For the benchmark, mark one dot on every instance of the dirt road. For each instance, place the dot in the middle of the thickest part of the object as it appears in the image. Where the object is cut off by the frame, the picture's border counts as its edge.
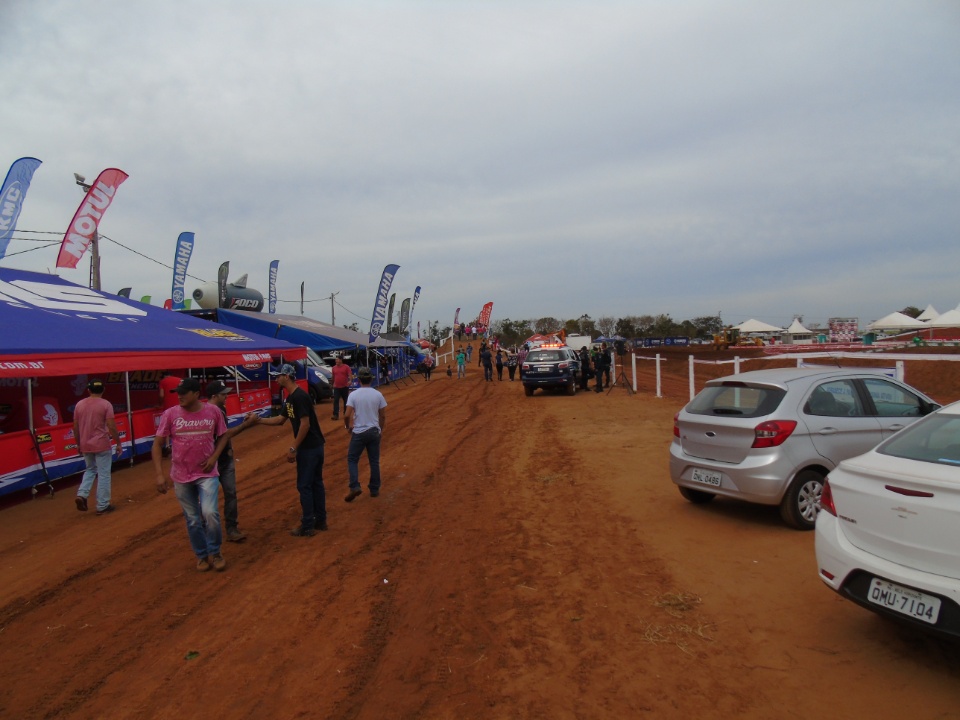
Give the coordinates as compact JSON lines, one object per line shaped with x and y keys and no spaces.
{"x":527,"y":558}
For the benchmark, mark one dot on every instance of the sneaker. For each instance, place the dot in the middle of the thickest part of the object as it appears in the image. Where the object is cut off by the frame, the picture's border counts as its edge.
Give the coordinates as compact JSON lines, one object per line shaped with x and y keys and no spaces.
{"x":219,"y":564}
{"x":81,"y":503}
{"x":203,"y":564}
{"x":299,"y":531}
{"x":234,"y":535}
{"x":374,"y":493}
{"x":107,"y":509}
{"x":353,"y":495}
{"x":322,"y":526}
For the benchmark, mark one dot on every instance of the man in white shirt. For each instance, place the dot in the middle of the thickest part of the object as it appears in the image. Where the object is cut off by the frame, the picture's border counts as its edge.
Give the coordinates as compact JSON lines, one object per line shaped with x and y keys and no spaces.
{"x":365,"y":418}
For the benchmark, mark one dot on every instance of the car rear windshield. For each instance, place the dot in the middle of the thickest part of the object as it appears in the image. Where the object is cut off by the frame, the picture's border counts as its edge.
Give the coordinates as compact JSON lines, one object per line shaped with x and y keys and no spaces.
{"x":736,"y":399}
{"x":543,"y":356}
{"x":935,"y":439}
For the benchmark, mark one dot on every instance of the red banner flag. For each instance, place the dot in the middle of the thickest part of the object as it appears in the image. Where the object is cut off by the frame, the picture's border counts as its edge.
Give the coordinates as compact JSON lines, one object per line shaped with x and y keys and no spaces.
{"x":485,"y":315}
{"x":87,"y":218}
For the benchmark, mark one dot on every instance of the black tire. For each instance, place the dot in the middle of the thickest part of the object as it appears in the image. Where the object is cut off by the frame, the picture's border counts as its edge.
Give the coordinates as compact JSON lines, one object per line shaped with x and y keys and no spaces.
{"x":527,"y":390}
{"x":697,"y":497}
{"x":801,"y":502}
{"x":572,"y":389}
{"x":314,"y":394}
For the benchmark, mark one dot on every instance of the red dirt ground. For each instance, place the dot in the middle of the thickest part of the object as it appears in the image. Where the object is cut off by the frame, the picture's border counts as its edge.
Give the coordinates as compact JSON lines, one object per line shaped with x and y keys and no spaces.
{"x":527,"y":558}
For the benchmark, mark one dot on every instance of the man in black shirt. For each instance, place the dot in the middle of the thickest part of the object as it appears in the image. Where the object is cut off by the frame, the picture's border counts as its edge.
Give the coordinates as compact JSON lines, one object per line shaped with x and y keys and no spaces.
{"x":306,"y":451}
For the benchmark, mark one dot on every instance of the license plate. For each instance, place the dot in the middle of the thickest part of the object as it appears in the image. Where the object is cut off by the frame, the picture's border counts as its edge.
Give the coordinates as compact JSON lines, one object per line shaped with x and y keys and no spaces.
{"x":905,"y":601}
{"x":543,"y":368}
{"x":706,"y":477}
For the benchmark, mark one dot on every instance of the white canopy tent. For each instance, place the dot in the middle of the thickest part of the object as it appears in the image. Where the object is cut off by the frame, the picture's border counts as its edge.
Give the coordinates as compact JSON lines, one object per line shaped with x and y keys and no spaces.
{"x":797,"y":328}
{"x":929,"y":314}
{"x":896,"y":321}
{"x":755,"y":326}
{"x":949,"y":319}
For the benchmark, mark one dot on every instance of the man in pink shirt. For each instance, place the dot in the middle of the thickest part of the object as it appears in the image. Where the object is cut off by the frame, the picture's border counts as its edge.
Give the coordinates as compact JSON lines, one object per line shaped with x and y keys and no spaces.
{"x":342,"y":376}
{"x":93,"y":427}
{"x":198,"y":435}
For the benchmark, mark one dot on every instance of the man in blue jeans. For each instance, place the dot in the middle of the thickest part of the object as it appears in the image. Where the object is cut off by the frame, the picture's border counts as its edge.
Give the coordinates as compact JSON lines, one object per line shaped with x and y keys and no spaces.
{"x":93,"y":427}
{"x":365,"y":418}
{"x":306,"y":452}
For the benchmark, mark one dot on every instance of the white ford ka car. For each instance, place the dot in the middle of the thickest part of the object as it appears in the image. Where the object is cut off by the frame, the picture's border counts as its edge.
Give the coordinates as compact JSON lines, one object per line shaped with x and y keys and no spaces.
{"x":888,"y":534}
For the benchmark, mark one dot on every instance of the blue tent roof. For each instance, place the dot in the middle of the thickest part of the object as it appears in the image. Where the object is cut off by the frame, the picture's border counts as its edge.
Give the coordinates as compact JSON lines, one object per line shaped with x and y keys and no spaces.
{"x":51,"y":326}
{"x":314,"y":334}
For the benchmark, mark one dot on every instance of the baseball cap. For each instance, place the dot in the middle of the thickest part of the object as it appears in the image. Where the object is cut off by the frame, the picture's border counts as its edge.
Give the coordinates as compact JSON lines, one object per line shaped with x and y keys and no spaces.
{"x":285,"y":369}
{"x":188,"y":385}
{"x":217,"y":387}
{"x":95,"y":386}
{"x":364,"y":373}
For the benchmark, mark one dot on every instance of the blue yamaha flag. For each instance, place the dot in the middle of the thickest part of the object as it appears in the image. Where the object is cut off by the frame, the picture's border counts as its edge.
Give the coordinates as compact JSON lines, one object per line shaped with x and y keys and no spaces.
{"x":380,"y":306}
{"x":180,"y":262}
{"x":272,"y":290}
{"x":12,"y":193}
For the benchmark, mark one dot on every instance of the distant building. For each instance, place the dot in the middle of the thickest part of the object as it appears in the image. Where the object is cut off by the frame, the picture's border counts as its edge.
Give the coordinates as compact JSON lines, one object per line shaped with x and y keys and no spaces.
{"x":843,"y":330}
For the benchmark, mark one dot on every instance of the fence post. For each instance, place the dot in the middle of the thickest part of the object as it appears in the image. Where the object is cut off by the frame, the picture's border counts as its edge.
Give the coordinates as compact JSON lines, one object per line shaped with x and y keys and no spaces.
{"x":692,"y":393}
{"x":658,"y":376}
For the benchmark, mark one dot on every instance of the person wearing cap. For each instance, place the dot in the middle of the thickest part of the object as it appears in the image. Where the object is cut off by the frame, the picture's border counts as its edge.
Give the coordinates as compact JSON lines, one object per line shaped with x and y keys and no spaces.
{"x":93,"y":428}
{"x":199,"y":434}
{"x":217,"y":392}
{"x":365,"y":419}
{"x":306,"y":451}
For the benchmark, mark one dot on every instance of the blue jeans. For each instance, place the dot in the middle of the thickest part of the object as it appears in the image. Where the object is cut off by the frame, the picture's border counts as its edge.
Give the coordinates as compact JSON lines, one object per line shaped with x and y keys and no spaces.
{"x":461,"y":371}
{"x":98,"y":466}
{"x":199,"y":502}
{"x":228,"y":481}
{"x":313,"y":501}
{"x":369,"y":440}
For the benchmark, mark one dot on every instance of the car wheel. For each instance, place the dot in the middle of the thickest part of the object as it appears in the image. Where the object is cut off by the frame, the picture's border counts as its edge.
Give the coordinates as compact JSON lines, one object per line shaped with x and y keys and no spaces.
{"x":697,"y":497}
{"x":801,"y":503}
{"x":572,"y":389}
{"x":528,"y":391}
{"x":314,"y":394}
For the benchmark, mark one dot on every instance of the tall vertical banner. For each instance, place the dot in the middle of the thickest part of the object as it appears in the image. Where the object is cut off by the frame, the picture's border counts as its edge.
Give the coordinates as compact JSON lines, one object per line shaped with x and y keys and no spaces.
{"x":86,"y":220}
{"x":380,"y":304}
{"x":413,"y":304}
{"x":301,"y":296}
{"x":125,"y":292}
{"x":180,"y":261}
{"x":222,"y":274}
{"x":456,"y":318}
{"x":12,"y":195}
{"x":485,"y":316}
{"x":390,"y":312}
{"x":405,"y":318}
{"x":272,"y":287}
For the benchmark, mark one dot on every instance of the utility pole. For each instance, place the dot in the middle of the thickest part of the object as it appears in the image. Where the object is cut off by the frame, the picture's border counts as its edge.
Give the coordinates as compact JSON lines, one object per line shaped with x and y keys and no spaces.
{"x":333,"y":320}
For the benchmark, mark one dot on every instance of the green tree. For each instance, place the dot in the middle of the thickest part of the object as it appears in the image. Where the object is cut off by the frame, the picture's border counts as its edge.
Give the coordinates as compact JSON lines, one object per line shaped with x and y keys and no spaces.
{"x":547,"y":325}
{"x":707,"y":325}
{"x":912,"y":311}
{"x":626,"y":327}
{"x":663,"y":325}
{"x":606,"y":325}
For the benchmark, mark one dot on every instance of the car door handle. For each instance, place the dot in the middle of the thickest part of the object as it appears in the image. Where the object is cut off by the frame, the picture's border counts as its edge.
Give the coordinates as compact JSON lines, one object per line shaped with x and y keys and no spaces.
{"x":827,"y":431}
{"x":898,"y":426}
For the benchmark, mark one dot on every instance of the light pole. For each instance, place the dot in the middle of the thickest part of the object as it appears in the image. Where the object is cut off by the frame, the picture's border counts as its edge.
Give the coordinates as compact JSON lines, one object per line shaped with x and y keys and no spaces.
{"x":95,"y":241}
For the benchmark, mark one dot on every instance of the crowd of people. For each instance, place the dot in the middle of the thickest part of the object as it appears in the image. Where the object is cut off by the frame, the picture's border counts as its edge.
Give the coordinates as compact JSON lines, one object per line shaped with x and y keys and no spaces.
{"x":195,"y":437}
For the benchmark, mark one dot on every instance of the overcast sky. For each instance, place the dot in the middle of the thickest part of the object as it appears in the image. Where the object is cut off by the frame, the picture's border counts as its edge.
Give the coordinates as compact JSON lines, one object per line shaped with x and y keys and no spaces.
{"x":758,"y":158}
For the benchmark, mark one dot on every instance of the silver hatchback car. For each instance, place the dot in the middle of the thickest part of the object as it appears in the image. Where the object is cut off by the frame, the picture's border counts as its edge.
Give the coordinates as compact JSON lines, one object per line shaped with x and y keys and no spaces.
{"x":771,"y":436}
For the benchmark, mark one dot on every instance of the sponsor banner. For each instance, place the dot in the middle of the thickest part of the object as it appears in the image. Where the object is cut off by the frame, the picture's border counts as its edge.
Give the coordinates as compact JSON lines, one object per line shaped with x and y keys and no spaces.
{"x":380,"y":303}
{"x":222,"y":274}
{"x":413,"y":304}
{"x":301,"y":298}
{"x":180,"y":261}
{"x":390,"y":312}
{"x":485,"y":315}
{"x":124,"y":292}
{"x":456,"y":318}
{"x":404,"y":316}
{"x":12,"y":194}
{"x":272,"y":286}
{"x":86,"y":221}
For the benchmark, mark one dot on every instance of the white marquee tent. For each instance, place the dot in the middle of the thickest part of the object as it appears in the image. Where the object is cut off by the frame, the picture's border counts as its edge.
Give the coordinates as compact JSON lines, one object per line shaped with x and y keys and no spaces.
{"x":929,"y":314}
{"x":896,"y":321}
{"x":755,"y":326}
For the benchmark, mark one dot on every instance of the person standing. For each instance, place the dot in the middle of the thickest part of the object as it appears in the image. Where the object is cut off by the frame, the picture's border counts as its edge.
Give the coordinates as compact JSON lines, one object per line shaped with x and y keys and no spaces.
{"x":512,"y":362}
{"x":427,"y":366}
{"x":365,"y":419}
{"x":217,"y":392}
{"x":469,"y":352}
{"x":306,"y":451}
{"x":198,"y":435}
{"x":486,"y":359}
{"x":601,"y":366}
{"x":521,"y":356}
{"x":93,"y":428}
{"x":342,"y":375}
{"x":461,"y":364}
{"x":167,"y":387}
{"x":584,"y":368}
{"x":499,"y":364}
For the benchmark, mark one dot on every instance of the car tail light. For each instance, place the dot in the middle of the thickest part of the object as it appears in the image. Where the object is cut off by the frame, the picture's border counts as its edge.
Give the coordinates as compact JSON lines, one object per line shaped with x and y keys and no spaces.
{"x":676,"y":425}
{"x":772,"y":433}
{"x":826,"y":500}
{"x":563,"y":366}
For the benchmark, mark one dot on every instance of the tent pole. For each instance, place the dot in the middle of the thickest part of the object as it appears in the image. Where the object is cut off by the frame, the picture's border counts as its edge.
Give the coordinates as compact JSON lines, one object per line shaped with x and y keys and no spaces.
{"x":133,"y":437}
